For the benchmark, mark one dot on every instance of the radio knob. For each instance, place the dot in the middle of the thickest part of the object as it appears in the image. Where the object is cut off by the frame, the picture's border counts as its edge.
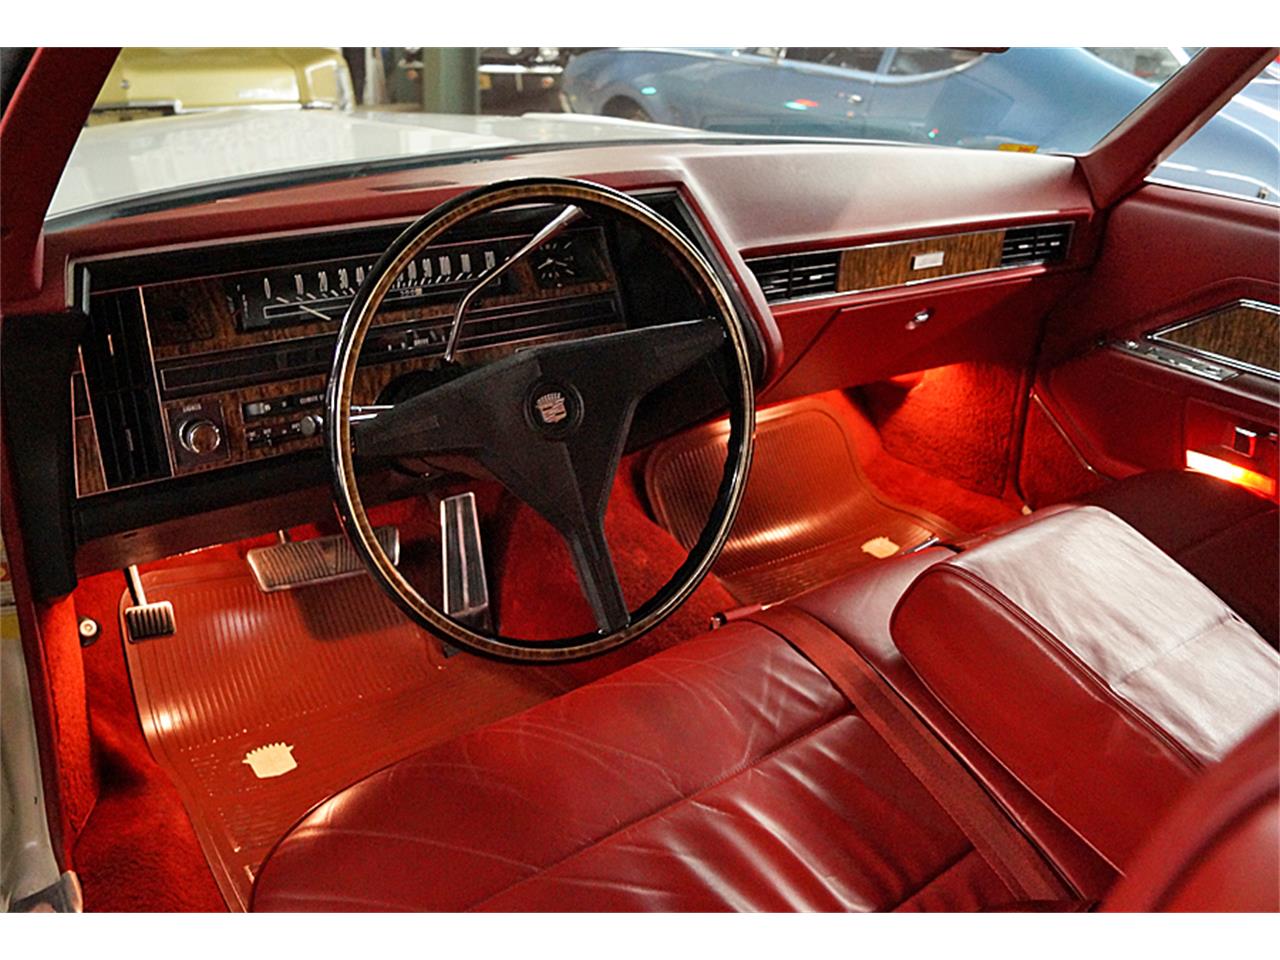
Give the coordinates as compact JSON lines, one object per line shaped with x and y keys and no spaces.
{"x":200,"y":436}
{"x":311,"y":424}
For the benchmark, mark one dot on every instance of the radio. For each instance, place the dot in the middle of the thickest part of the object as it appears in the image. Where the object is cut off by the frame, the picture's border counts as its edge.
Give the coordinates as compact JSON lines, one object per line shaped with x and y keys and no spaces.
{"x":297,"y":424}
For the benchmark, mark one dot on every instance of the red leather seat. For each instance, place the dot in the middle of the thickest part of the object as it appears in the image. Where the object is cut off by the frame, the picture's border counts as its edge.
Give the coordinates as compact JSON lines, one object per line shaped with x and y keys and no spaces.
{"x":724,"y":774}
{"x":1219,"y":849}
{"x":1101,"y":674}
{"x":1084,"y":676}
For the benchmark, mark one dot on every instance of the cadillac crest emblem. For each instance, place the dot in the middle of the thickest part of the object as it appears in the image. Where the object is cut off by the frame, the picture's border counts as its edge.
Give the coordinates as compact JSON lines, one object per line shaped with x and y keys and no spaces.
{"x":551,"y":407}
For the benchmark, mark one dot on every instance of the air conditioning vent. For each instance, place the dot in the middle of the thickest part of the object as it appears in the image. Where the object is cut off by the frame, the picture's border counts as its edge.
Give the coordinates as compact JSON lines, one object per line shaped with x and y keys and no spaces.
{"x":1041,"y":243}
{"x":793,"y":276}
{"x":122,"y":391}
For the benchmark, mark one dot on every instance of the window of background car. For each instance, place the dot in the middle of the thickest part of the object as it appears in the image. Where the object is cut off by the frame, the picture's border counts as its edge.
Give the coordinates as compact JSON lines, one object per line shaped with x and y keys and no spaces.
{"x":910,"y":61}
{"x":1149,"y":63}
{"x":866,"y":59}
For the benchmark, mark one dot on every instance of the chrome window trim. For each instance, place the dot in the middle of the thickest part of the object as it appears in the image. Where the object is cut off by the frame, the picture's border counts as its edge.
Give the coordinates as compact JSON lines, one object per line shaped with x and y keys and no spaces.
{"x":1271,"y":202}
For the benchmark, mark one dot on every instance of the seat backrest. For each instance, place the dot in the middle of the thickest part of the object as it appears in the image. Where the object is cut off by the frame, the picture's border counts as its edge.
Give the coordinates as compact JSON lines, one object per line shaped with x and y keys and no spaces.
{"x":1219,"y":849}
{"x":1098,"y":671}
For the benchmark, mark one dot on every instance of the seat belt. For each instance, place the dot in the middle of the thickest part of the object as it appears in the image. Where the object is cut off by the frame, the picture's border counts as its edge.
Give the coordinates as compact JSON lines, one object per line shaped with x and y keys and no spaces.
{"x":1008,"y":853}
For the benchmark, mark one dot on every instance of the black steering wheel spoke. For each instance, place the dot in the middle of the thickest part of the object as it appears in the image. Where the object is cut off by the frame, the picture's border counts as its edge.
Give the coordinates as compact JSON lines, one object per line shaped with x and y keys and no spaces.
{"x":593,"y":562}
{"x":551,"y":424}
{"x":460,"y":416}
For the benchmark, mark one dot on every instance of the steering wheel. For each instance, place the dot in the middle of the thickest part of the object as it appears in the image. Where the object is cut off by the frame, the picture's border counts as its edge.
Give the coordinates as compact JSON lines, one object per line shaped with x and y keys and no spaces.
{"x":550,"y":422}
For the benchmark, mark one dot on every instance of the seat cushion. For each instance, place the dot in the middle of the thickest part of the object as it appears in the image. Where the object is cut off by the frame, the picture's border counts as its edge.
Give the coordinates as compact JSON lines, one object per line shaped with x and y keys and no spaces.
{"x":1099,"y":672}
{"x":725,"y":774}
{"x":859,"y":608}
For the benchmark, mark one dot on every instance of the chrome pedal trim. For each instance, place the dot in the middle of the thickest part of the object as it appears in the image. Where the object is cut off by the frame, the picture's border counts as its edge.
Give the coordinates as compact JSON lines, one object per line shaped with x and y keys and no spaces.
{"x":466,"y":587}
{"x":144,"y":620}
{"x":150,"y":620}
{"x":300,"y":563}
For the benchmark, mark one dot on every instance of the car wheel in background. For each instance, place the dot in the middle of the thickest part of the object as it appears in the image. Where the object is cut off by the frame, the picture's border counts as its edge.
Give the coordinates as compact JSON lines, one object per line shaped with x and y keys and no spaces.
{"x":626,"y":109}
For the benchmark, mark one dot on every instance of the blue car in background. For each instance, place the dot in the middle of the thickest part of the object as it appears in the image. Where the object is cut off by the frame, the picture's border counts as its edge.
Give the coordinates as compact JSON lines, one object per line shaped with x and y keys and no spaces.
{"x":1051,"y":99}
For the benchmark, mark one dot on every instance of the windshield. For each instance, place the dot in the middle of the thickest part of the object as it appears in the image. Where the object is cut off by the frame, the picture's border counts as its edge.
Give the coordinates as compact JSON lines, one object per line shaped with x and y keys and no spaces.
{"x":179,"y":124}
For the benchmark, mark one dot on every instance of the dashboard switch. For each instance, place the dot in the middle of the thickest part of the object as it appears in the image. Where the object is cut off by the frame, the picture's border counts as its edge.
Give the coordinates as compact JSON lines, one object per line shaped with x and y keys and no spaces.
{"x":259,"y":408}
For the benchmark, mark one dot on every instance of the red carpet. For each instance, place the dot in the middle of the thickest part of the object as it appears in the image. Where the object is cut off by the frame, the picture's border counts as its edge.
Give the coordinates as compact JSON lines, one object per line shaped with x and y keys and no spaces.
{"x":137,"y":851}
{"x":913,"y":486}
{"x":959,"y":422}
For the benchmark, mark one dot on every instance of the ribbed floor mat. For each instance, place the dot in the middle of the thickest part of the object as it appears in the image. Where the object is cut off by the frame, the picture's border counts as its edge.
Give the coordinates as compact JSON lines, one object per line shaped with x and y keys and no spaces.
{"x":809,"y":514}
{"x":332,"y":672}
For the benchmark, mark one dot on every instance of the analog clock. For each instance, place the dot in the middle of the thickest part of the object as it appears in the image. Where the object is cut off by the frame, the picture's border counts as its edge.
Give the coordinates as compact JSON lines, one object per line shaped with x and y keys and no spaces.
{"x":556,"y":263}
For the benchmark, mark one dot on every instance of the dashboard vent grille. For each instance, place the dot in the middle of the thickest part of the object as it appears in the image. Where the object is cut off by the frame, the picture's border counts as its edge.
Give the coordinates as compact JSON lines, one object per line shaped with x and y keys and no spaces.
{"x":1041,"y":243}
{"x":122,"y":391}
{"x":793,"y":276}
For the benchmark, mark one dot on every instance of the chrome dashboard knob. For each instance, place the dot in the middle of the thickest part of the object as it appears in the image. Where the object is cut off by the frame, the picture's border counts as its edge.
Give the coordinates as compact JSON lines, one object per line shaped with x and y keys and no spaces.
{"x":200,"y":436}
{"x":311,"y":424}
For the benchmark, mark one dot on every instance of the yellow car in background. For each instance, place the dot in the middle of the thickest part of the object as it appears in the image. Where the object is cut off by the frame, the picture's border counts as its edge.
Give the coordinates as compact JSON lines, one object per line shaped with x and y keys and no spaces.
{"x":162,"y":81}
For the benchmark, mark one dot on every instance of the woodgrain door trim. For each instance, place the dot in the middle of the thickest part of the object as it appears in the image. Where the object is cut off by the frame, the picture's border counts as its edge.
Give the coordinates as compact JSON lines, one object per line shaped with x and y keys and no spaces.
{"x":1165,"y":334}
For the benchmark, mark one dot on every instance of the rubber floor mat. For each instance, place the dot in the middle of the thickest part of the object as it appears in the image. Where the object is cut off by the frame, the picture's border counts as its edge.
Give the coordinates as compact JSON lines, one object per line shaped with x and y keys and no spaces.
{"x":262,"y":705}
{"x":809,"y":515}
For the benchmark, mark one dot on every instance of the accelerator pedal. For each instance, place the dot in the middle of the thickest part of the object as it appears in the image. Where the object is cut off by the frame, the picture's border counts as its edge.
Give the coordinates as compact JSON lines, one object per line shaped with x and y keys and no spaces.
{"x":300,"y":563}
{"x":466,"y":588}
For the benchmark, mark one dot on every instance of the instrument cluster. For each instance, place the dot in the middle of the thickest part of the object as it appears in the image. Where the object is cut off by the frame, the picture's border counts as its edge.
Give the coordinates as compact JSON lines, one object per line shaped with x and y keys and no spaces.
{"x":217,"y":369}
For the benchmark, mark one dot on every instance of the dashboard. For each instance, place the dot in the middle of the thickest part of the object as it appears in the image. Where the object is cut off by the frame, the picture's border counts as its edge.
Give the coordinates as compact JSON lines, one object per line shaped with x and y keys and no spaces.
{"x":198,"y":382}
{"x":221,"y":369}
{"x":195,"y":354}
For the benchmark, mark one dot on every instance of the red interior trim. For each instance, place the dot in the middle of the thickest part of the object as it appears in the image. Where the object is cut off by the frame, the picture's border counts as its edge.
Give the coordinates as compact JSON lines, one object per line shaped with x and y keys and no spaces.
{"x":37,"y":134}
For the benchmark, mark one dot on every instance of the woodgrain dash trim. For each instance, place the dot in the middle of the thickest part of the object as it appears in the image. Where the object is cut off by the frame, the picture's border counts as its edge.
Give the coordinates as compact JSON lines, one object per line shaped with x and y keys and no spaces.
{"x":189,"y":319}
{"x":883,"y":266}
{"x":892,"y":264}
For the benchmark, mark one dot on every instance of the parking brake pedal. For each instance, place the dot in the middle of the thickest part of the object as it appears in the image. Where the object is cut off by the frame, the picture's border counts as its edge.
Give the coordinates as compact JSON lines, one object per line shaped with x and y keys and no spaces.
{"x":466,"y":589}
{"x":143,"y":620}
{"x":299,"y":563}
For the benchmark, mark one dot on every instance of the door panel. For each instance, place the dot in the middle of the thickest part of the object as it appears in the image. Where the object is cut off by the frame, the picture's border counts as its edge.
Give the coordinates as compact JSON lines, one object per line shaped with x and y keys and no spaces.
{"x":1169,"y":353}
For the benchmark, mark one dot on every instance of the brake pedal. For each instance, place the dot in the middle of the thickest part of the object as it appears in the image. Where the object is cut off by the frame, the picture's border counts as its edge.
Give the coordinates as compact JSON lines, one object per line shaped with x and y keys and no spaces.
{"x":466,"y":588}
{"x":143,"y":620}
{"x":300,"y":563}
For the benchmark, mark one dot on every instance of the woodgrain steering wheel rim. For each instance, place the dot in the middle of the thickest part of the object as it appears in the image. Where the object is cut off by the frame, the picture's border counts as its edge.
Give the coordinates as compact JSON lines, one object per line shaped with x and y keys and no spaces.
{"x":339,"y":434}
